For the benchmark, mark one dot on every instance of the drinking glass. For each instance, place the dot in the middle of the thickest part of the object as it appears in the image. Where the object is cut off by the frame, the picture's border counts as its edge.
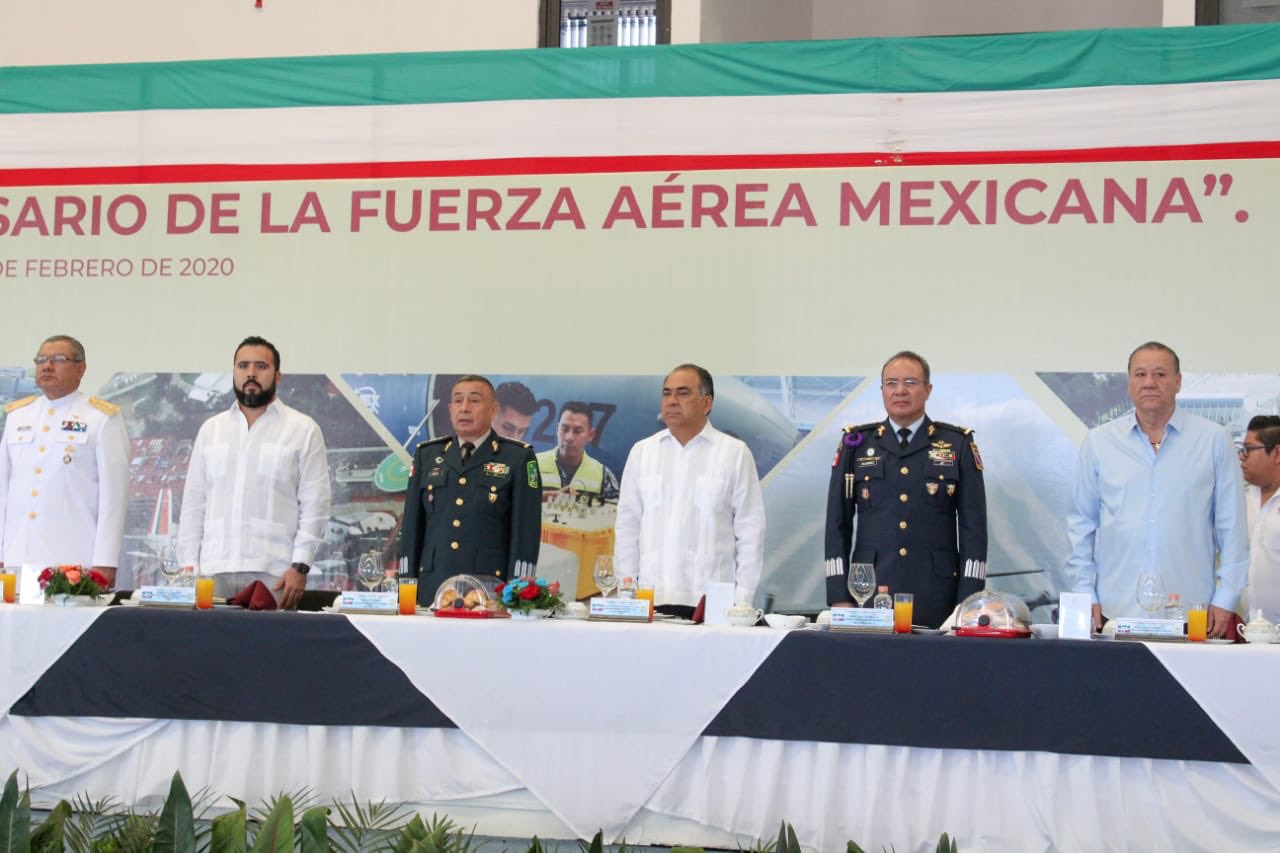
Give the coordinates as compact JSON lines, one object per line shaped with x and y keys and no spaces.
{"x":861,"y":581}
{"x":1151,"y":596}
{"x":408,"y":596}
{"x":605,"y":578}
{"x":172,"y":570}
{"x":1197,"y":622}
{"x":645,"y":591}
{"x":369,"y":571}
{"x":903,"y":605}
{"x":204,"y":592}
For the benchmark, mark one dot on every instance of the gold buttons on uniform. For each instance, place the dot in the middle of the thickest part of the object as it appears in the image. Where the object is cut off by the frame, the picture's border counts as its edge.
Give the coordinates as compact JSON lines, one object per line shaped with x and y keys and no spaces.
{"x":458,"y":501}
{"x":38,"y":469}
{"x":902,"y":498}
{"x":453,"y":545}
{"x":462,"y":481}
{"x":44,"y":428}
{"x":902,"y":525}
{"x":902,"y":552}
{"x":40,"y":448}
{"x":457,"y":523}
{"x":904,"y":470}
{"x":31,"y":515}
{"x":51,"y":411}
{"x":35,"y":493}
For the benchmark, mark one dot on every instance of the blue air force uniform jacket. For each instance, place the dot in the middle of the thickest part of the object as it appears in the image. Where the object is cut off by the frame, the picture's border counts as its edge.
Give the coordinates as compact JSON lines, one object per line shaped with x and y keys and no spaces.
{"x":921,"y":515}
{"x":481,"y":517}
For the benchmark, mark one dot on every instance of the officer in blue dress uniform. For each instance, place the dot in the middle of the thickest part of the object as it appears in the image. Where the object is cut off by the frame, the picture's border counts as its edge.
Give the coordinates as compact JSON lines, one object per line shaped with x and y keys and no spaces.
{"x":915,"y":488}
{"x":474,"y":504}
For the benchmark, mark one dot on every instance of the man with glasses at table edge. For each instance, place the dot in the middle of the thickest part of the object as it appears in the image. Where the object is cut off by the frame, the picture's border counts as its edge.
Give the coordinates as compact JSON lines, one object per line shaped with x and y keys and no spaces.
{"x":64,"y":470}
{"x":915,"y":487}
{"x":1157,"y":491}
{"x":1260,"y":464}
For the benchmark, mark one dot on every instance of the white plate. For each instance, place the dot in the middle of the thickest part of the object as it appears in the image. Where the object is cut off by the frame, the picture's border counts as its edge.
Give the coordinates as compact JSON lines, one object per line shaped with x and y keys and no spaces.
{"x":818,"y":626}
{"x":920,"y":629}
{"x":672,"y":620}
{"x":1219,"y":641}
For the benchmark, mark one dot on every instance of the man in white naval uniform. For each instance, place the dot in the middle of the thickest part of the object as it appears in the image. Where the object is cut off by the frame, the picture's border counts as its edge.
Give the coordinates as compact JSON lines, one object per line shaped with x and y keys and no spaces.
{"x":64,"y":470}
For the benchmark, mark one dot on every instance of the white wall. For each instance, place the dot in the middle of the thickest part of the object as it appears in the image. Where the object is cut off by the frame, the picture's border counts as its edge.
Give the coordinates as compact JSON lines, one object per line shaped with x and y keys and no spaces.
{"x":56,"y":32}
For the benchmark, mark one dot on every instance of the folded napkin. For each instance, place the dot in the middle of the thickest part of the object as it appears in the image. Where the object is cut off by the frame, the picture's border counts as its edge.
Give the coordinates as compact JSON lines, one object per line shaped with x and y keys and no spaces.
{"x":255,"y":596}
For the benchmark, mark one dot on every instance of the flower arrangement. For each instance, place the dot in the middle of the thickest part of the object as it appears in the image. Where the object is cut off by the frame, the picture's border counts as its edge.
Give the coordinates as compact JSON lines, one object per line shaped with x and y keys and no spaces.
{"x":525,"y":594}
{"x":72,"y":580}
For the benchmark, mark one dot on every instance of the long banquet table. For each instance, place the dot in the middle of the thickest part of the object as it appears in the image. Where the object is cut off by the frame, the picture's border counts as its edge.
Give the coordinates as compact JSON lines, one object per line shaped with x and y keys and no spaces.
{"x":655,"y":733}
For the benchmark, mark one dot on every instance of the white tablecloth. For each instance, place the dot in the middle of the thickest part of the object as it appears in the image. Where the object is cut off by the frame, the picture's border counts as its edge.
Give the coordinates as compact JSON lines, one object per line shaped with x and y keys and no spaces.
{"x":602,"y":748}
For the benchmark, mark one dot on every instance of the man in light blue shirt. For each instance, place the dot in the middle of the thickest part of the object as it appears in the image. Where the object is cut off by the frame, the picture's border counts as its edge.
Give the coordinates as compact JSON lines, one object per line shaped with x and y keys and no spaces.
{"x":1158,"y":491}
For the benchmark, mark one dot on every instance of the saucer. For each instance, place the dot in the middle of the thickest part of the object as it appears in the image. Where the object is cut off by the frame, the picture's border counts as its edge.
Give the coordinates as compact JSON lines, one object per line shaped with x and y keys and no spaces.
{"x":1221,"y":641}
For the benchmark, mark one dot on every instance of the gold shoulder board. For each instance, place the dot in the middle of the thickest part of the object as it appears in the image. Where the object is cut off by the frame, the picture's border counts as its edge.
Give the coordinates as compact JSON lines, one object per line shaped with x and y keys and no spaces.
{"x":18,"y":404}
{"x":108,"y":409}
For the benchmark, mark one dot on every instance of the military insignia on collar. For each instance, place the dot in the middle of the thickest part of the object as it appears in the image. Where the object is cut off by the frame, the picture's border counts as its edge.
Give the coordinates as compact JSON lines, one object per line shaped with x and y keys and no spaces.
{"x":494,"y":445}
{"x":497,"y":469}
{"x":931,"y":429}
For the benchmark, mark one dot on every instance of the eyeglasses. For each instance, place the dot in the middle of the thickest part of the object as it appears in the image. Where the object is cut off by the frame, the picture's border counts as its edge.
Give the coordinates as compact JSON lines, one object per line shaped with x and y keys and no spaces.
{"x":56,"y":359}
{"x":892,"y":384}
{"x":1246,"y":449}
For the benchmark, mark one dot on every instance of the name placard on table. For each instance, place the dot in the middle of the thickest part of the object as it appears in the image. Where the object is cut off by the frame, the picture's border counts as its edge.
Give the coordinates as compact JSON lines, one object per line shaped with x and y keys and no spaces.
{"x":876,"y":620}
{"x":167,"y":596}
{"x":620,"y":609}
{"x":1167,"y":630}
{"x":383,"y":603}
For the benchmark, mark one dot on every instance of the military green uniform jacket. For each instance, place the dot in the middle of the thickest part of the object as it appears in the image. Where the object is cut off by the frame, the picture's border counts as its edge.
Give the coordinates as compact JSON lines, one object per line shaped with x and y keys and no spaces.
{"x":921,"y":515}
{"x":482,"y":517}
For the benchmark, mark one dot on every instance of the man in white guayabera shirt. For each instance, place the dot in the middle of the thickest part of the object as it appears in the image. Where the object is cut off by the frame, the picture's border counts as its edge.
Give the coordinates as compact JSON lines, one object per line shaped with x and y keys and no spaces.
{"x":690,"y":510}
{"x":257,"y":495}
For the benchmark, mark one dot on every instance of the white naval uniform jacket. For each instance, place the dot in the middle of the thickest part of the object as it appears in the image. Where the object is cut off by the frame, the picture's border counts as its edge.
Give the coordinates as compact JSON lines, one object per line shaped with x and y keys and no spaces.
{"x":64,"y":482}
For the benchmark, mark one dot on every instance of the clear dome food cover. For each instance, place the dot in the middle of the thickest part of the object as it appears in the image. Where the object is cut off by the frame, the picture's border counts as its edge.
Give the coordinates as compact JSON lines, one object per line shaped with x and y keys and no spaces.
{"x":466,"y":595}
{"x":993,"y":614}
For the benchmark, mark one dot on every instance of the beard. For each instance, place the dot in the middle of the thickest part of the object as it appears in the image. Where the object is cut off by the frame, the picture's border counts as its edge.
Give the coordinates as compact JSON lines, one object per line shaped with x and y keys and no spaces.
{"x":255,"y":399}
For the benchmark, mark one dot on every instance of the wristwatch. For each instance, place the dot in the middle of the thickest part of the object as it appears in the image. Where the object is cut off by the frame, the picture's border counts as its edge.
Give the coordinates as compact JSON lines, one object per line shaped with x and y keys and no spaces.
{"x":300,"y":568}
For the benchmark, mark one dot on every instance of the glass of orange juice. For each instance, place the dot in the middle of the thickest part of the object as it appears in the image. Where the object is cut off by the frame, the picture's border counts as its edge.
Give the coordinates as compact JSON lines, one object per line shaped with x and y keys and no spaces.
{"x":903,"y":603}
{"x":1197,"y":622}
{"x":10,"y":582}
{"x":645,"y":591}
{"x":408,"y":596}
{"x":204,"y":592}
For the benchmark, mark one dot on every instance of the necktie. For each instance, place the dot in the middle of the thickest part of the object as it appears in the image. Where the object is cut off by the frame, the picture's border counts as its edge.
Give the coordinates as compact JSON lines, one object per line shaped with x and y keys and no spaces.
{"x":904,"y":435}
{"x":467,"y":449}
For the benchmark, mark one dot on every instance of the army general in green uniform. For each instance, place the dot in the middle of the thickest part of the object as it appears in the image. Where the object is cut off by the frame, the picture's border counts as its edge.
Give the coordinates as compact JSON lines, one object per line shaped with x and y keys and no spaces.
{"x":915,"y":487}
{"x":474,"y":504}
